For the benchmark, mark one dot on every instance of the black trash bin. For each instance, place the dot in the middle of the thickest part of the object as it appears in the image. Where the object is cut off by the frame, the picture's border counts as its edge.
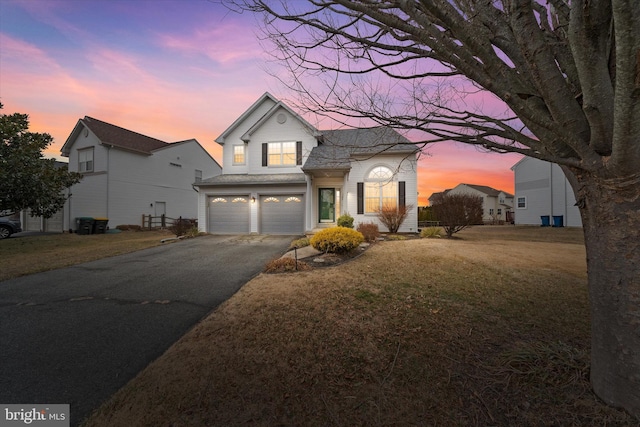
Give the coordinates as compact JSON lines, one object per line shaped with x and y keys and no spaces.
{"x":100,"y":225}
{"x":84,"y":225}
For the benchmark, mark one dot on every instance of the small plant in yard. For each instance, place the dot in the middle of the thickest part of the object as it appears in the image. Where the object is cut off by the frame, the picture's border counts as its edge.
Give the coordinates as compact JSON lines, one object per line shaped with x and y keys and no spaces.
{"x":431,"y":232}
{"x":181,"y":226}
{"x":192,"y":232}
{"x":396,"y":237}
{"x":345,"y":220}
{"x":369,"y":230}
{"x":392,"y":217}
{"x":336,"y":240}
{"x":284,"y":265}
{"x":299,"y":243}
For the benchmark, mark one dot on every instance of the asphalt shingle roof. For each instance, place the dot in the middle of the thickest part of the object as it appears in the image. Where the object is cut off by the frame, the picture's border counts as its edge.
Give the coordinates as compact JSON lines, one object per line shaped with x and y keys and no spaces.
{"x":337,"y":146}
{"x":119,"y":137}
{"x":252,"y":179}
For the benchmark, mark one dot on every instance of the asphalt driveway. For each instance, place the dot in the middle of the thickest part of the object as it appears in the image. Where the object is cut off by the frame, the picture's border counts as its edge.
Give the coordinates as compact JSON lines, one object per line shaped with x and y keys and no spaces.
{"x":76,"y":335}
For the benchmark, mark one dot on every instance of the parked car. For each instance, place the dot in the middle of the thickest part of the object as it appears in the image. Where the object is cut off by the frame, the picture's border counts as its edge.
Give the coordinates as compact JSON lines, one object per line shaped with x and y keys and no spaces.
{"x":9,"y":224}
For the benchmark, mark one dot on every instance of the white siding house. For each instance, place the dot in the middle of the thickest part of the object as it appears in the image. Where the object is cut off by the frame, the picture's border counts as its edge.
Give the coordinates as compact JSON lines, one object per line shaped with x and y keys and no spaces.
{"x":543,"y":195}
{"x":497,"y":205}
{"x":283,"y":176}
{"x":127,"y":175}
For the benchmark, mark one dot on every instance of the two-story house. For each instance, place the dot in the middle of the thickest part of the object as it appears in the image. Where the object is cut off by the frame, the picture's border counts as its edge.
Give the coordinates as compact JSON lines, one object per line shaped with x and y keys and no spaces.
{"x":497,"y":205}
{"x":283,"y":176}
{"x":127,"y":174}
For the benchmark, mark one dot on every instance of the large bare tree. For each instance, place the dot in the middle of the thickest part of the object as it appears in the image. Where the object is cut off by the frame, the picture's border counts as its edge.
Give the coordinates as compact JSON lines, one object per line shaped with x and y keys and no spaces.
{"x":567,"y":73}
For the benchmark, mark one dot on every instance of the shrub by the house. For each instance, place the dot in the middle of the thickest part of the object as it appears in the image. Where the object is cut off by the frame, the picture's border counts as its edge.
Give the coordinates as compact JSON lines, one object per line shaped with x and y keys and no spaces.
{"x":392,"y":217}
{"x":345,"y":220}
{"x":336,"y":240}
{"x":369,"y":230}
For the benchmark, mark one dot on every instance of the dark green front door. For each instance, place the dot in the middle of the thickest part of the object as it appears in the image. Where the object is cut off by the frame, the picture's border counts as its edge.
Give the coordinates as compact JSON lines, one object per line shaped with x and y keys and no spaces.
{"x":327,"y":204}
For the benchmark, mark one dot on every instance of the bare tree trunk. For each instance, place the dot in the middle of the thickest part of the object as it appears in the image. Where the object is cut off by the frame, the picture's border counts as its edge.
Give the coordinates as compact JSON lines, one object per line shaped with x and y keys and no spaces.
{"x":611,"y":219}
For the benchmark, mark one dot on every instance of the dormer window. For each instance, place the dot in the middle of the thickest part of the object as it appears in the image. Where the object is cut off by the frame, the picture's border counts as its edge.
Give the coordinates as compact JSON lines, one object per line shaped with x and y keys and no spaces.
{"x":239,"y":154}
{"x":85,"y":160}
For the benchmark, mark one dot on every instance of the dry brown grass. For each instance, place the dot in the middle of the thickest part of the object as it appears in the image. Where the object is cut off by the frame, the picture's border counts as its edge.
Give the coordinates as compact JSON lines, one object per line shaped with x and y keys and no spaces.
{"x":484,"y":330}
{"x":32,"y":254}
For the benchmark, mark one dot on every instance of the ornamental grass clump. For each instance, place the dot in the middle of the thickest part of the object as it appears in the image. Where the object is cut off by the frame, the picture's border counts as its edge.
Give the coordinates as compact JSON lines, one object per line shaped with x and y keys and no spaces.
{"x":336,"y":240}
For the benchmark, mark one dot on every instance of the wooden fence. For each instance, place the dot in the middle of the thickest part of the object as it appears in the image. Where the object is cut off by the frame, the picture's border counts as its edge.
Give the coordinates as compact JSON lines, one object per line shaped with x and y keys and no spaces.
{"x":151,"y":222}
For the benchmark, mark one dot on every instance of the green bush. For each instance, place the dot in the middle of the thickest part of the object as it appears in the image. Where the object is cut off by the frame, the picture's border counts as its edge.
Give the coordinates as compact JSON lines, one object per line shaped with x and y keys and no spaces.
{"x":336,"y":240}
{"x":345,"y":220}
{"x":431,"y":232}
{"x":369,"y":230}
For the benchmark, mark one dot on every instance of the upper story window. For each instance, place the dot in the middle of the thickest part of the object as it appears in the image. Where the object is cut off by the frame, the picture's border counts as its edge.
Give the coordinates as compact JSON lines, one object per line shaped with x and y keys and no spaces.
{"x":282,"y":153}
{"x":85,"y":160}
{"x":239,"y":154}
{"x":380,"y":190}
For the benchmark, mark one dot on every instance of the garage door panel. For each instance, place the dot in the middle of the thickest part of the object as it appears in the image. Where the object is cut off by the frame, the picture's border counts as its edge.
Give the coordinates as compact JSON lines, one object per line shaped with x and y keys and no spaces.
{"x":282,"y":214}
{"x":229,"y":214}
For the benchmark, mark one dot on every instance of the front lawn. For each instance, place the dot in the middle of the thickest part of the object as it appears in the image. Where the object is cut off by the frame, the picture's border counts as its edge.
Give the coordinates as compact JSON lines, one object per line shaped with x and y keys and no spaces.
{"x":477,"y":331}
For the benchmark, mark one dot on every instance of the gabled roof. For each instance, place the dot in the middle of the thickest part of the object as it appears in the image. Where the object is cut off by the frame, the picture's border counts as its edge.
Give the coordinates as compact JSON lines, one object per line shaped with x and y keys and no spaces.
{"x":489,"y":191}
{"x":243,"y":117}
{"x":247,"y":135}
{"x":336,"y":147}
{"x":115,"y":136}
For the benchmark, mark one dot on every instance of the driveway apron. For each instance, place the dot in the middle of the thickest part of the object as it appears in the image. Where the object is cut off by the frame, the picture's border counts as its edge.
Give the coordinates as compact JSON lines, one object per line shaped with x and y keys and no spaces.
{"x":78,"y":334}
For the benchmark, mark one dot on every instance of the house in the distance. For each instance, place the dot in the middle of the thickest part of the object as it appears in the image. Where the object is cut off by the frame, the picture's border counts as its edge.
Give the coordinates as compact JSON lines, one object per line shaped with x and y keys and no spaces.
{"x":543,"y":195}
{"x":497,"y":205}
{"x":127,"y":175}
{"x":283,"y":176}
{"x":54,"y":224}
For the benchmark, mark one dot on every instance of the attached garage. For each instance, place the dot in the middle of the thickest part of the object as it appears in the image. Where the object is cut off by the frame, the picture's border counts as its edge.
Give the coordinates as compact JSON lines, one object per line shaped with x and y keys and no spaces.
{"x":229,"y":214}
{"x":282,"y":214}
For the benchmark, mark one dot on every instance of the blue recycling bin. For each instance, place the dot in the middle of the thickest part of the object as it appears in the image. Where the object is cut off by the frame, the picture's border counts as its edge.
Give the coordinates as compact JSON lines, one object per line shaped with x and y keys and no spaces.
{"x":545,"y":220}
{"x":558,"y":221}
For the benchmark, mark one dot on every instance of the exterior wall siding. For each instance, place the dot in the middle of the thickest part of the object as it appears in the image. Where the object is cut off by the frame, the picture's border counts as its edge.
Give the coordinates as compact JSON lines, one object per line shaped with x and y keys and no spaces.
{"x":126,"y":185}
{"x":547,"y":193}
{"x":406,"y":171}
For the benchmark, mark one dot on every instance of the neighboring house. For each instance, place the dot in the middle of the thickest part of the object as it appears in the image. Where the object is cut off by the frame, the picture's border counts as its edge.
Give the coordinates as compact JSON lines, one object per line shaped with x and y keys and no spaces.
{"x":283,"y":176}
{"x":543,"y":195}
{"x":497,"y":205}
{"x":127,"y":175}
{"x":53,"y":224}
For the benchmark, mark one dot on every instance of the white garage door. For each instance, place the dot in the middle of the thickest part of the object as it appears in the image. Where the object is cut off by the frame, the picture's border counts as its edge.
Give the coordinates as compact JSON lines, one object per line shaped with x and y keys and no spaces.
{"x":282,"y":214}
{"x":229,"y":214}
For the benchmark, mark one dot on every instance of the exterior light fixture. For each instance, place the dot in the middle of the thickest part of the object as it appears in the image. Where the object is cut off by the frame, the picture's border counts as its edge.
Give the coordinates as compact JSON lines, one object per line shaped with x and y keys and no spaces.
{"x":253,"y":200}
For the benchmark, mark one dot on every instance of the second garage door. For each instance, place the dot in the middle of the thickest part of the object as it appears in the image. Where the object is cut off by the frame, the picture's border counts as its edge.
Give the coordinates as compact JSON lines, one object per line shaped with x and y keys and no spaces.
{"x":229,"y":214}
{"x":282,"y":214}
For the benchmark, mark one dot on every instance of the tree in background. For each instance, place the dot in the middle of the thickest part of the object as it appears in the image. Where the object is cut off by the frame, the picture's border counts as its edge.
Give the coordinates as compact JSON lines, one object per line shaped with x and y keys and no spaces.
{"x":455,"y":212}
{"x":562,"y":79}
{"x":27,"y":179}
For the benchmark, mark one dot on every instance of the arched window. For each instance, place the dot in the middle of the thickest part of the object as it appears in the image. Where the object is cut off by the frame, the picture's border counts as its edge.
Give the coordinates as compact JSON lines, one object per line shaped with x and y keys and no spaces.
{"x":380,"y":190}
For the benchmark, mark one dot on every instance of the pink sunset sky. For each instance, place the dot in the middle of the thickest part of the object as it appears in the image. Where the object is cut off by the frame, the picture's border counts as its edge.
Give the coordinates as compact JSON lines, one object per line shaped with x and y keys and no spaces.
{"x":172,"y":70}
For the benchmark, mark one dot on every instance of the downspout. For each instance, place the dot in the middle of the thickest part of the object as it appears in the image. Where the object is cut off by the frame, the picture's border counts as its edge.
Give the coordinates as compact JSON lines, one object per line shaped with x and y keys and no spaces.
{"x":551,"y":193}
{"x":108,"y":172}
